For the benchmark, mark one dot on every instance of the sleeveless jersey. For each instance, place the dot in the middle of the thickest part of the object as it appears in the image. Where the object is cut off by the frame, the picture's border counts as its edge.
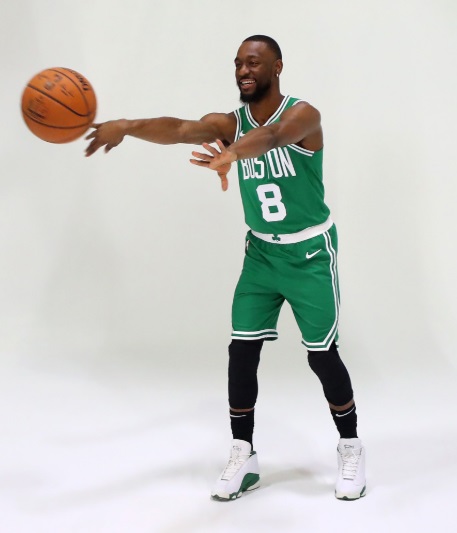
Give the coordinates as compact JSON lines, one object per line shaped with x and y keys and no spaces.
{"x":282,"y":191}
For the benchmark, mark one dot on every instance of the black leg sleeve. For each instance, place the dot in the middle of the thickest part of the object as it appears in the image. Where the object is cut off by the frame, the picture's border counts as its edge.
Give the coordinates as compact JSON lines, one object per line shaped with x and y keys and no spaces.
{"x":243,"y":388}
{"x":333,"y":375}
{"x":242,"y":373}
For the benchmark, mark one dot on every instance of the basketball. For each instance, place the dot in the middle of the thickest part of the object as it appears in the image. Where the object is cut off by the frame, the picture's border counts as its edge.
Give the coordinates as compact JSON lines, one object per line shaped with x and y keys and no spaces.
{"x":58,"y":105}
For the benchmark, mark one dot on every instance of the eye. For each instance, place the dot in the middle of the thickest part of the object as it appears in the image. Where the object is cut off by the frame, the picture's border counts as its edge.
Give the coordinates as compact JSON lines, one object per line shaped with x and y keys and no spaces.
{"x":253,"y":63}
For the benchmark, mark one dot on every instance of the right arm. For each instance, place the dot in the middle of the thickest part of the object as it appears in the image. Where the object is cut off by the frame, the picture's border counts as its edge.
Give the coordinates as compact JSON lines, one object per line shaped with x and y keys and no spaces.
{"x":163,"y":130}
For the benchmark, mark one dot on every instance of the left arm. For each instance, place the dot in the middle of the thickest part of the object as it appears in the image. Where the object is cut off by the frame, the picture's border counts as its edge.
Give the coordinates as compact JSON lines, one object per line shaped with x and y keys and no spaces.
{"x":298,"y":124}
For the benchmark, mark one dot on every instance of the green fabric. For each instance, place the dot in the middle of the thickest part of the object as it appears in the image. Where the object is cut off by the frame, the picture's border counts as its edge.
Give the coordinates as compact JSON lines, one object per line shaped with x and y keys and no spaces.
{"x":273,"y":273}
{"x":282,"y":191}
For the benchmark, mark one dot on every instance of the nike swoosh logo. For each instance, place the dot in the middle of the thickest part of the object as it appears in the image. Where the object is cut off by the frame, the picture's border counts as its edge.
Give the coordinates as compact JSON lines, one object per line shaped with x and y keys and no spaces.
{"x":308,"y":255}
{"x":345,"y":414}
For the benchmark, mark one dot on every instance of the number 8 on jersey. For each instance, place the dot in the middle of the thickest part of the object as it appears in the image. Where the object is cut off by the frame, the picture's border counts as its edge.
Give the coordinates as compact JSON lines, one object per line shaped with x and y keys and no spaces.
{"x":273,"y":209}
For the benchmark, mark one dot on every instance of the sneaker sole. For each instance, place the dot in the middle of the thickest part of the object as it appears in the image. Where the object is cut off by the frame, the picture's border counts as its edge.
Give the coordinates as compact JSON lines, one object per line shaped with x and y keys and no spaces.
{"x":347,"y":499}
{"x":250,"y":482}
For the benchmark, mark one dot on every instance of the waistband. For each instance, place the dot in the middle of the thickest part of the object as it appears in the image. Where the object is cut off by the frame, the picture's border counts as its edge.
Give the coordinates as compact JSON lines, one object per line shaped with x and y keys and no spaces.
{"x":292,"y":238}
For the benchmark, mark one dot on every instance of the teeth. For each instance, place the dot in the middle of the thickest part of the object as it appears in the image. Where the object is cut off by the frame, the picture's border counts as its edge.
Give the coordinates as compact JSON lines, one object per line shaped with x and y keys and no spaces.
{"x":250,"y":82}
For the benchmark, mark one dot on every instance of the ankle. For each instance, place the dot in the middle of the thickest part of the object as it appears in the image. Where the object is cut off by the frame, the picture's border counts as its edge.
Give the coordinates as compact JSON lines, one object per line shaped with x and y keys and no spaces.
{"x":346,"y":422}
{"x":242,"y":425}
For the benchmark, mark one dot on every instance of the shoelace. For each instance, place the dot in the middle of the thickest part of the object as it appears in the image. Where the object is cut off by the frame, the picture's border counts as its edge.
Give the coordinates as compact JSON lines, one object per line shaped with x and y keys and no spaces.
{"x":350,"y":464}
{"x":234,"y":464}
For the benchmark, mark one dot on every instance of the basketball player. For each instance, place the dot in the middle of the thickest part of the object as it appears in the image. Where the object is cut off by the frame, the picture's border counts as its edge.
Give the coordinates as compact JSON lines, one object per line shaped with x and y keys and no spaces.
{"x":291,"y":248}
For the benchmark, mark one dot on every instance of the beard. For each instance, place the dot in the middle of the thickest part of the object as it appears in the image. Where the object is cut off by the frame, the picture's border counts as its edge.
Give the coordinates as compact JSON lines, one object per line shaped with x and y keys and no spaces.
{"x":260,"y":91}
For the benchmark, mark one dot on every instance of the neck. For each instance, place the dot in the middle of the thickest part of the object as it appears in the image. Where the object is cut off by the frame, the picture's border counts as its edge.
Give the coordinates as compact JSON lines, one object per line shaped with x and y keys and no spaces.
{"x":264,"y":109}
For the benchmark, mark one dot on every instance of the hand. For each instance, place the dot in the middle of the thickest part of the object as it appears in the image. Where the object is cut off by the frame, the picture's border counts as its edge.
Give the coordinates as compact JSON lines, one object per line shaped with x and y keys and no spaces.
{"x":109,"y":134}
{"x":220,"y":161}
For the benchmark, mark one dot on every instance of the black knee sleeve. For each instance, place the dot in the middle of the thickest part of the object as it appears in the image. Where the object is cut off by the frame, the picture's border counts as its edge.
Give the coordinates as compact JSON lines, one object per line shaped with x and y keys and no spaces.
{"x":243,"y":363}
{"x":333,"y":375}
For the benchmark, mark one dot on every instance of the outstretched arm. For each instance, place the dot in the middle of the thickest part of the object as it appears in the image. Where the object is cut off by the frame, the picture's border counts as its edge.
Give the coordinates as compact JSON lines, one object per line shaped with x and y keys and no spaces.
{"x":300,"y":124}
{"x":163,"y":130}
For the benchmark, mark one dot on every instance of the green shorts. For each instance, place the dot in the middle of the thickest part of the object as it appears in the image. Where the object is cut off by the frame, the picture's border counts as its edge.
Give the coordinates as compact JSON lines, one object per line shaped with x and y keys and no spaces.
{"x":305,"y":274}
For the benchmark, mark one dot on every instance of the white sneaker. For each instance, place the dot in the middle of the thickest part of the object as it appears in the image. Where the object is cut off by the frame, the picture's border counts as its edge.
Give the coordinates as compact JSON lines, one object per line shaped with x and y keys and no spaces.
{"x":240,"y":474}
{"x":351,"y":483}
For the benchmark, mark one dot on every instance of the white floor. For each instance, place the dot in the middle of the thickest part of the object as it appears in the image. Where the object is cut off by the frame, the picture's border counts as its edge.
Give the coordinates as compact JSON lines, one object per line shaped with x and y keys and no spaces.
{"x":122,"y":444}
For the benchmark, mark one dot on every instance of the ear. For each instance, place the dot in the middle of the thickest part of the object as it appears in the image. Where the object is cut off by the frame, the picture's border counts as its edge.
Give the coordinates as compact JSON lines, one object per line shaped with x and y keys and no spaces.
{"x":278,"y":67}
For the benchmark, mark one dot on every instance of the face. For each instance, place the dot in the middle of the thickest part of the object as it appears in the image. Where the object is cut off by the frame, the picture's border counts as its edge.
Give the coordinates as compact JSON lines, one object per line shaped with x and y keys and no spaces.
{"x":255,"y":70}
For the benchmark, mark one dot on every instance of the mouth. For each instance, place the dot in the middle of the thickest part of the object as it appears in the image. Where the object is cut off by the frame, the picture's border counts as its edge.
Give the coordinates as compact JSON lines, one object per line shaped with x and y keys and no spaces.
{"x":246,"y":83}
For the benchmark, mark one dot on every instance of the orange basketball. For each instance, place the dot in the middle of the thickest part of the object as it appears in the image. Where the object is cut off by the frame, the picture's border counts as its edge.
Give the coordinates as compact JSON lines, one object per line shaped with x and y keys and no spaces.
{"x":58,"y":105}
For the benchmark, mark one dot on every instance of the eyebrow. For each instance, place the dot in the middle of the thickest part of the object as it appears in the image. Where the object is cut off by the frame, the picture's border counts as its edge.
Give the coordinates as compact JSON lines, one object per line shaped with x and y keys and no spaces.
{"x":250,"y":56}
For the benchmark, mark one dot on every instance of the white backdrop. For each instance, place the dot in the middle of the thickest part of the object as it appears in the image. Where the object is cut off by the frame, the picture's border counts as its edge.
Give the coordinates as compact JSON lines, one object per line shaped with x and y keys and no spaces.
{"x":119,"y":266}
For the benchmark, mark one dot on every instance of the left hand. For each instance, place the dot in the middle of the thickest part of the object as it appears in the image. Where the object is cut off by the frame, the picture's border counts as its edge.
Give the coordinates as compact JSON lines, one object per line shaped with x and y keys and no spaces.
{"x":219,"y":160}
{"x":109,"y":134}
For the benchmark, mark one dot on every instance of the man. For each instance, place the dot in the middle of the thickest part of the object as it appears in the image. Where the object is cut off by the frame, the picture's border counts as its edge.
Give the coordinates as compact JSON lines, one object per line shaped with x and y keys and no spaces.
{"x":291,"y":248}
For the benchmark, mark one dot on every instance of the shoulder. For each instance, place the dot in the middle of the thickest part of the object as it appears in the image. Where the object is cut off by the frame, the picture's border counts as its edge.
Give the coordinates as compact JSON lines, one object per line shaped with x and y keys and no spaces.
{"x":224,"y":123}
{"x":304,"y":119}
{"x":301,"y":109}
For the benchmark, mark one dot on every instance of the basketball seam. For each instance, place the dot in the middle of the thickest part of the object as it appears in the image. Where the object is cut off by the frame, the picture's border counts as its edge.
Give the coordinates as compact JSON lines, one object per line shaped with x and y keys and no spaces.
{"x":73,"y":81}
{"x":86,"y":124}
{"x":57,"y":101}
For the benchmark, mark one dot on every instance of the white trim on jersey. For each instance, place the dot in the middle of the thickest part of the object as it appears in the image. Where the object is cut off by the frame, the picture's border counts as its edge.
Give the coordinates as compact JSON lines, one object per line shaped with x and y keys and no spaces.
{"x":250,"y":118}
{"x":254,"y":123}
{"x":278,"y":112}
{"x":301,"y":150}
{"x":238,"y":124}
{"x":273,"y":117}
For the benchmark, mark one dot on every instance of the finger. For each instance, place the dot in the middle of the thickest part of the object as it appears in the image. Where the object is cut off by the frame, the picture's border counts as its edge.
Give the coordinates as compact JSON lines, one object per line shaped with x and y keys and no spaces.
{"x":221,"y":145}
{"x":109,"y":147}
{"x":210,"y":149}
{"x":91,"y":135}
{"x":199,"y":163}
{"x":204,"y":157}
{"x":95,"y":126}
{"x":224,"y":181}
{"x":92,"y":148}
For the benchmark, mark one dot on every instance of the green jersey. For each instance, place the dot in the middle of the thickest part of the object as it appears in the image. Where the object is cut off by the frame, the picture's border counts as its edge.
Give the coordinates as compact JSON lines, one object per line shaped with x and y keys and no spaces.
{"x":282,"y":191}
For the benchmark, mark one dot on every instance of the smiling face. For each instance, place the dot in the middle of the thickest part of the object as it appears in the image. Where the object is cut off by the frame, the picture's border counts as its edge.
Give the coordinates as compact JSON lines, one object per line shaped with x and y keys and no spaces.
{"x":256,"y":69}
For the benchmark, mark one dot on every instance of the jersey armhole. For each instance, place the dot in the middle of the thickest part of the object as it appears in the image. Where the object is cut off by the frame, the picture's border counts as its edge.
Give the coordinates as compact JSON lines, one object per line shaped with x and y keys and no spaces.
{"x":300,"y":149}
{"x":238,"y":124}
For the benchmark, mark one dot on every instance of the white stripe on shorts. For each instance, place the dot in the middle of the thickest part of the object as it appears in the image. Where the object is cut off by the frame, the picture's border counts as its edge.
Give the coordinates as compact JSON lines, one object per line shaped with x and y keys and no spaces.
{"x":325,"y":344}
{"x":254,"y":335}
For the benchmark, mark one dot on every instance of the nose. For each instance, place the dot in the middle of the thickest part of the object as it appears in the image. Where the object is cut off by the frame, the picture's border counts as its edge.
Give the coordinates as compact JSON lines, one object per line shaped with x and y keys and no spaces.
{"x":243,"y":70}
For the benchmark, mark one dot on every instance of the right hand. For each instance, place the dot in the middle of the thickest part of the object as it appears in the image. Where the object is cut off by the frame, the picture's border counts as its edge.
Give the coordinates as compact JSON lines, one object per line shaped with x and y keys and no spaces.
{"x":108,"y":134}
{"x":219,"y":160}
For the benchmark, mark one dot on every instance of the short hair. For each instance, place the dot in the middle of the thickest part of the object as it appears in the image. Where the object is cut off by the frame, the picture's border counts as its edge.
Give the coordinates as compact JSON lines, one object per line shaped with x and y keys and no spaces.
{"x":271,"y":43}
